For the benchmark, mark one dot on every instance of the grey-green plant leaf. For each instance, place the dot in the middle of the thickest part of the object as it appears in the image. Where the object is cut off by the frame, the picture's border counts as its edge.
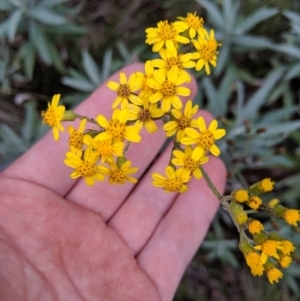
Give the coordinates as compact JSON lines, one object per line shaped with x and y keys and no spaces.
{"x":257,"y":100}
{"x":293,"y":72}
{"x":4,"y":27}
{"x":280,"y":128}
{"x":78,"y":84}
{"x":28,"y":55}
{"x":106,"y":66}
{"x":223,"y":58}
{"x":46,"y":16}
{"x":294,"y":17}
{"x":51,"y":3}
{"x":214,"y":13}
{"x":91,"y":68}
{"x":253,"y":42}
{"x":5,"y":5}
{"x":12,"y":139}
{"x":40,"y":42}
{"x":29,"y":123}
{"x":67,"y":28}
{"x":258,"y":16}
{"x":14,"y":21}
{"x":290,"y":50}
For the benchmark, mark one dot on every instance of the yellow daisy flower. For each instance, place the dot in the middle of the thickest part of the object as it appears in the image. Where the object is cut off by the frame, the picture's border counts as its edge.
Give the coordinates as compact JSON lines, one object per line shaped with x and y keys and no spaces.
{"x":85,"y":167}
{"x":240,"y":195}
{"x":253,"y":261}
{"x":120,"y":174}
{"x":285,"y":261}
{"x":273,"y":274}
{"x":146,"y":91}
{"x":190,"y":162}
{"x":255,"y":226}
{"x":254,"y":202}
{"x":172,"y":58}
{"x":166,"y":34}
{"x":125,"y":90}
{"x":76,"y":138}
{"x":53,"y":116}
{"x":206,"y":138}
{"x":182,"y":121}
{"x":168,"y":88}
{"x":206,"y":54}
{"x":107,"y":149}
{"x":269,"y":248}
{"x":116,"y":128}
{"x":194,"y":23}
{"x":175,"y":181}
{"x":144,"y":115}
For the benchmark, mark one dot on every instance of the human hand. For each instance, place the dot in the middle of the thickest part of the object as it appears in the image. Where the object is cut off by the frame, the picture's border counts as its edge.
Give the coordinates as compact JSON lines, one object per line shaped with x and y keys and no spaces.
{"x":63,"y":240}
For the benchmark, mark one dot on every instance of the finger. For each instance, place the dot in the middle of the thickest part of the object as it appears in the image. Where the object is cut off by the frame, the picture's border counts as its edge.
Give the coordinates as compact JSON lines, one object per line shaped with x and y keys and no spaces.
{"x":106,"y":199}
{"x":138,"y":217}
{"x":177,"y":237}
{"x":43,"y":163}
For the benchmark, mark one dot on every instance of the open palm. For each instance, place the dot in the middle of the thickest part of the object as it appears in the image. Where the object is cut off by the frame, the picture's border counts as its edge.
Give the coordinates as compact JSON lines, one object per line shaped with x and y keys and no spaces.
{"x":62,"y":240}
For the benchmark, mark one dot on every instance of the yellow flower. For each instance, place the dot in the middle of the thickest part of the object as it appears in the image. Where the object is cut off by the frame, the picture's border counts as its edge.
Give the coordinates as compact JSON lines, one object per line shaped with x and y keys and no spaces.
{"x":125,"y":90}
{"x":266,"y":185}
{"x":146,"y":91}
{"x":253,"y":261}
{"x":273,"y":274}
{"x":254,"y":202}
{"x":292,"y":216}
{"x":166,"y":34}
{"x":190,"y":162}
{"x":175,"y":181}
{"x":85,"y":167}
{"x":168,"y":88}
{"x":116,"y":128}
{"x":76,"y":138}
{"x":120,"y":174}
{"x":287,"y":247}
{"x":269,"y":248}
{"x":170,"y":59}
{"x":285,"y":261}
{"x":240,"y":195}
{"x":206,"y":138}
{"x":194,"y":23}
{"x":53,"y":116}
{"x":144,"y":115}
{"x":255,"y":226}
{"x":105,"y":148}
{"x":206,"y":54}
{"x":182,"y":121}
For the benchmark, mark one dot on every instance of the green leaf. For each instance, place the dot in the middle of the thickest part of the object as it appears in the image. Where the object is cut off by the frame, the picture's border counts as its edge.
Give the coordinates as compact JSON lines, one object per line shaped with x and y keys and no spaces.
{"x":4,"y":27}
{"x":294,"y":17}
{"x":29,"y":123}
{"x":257,"y":100}
{"x":106,"y":66}
{"x":28,"y":55}
{"x":288,"y":49}
{"x":91,"y":68}
{"x":276,"y":115}
{"x":223,"y":58}
{"x":14,"y":21}
{"x":40,"y":42}
{"x":253,"y":42}
{"x":5,"y":5}
{"x":12,"y":139}
{"x":252,"y":20}
{"x":56,"y":59}
{"x":51,"y":3}
{"x":78,"y":84}
{"x":46,"y":16}
{"x":280,"y":128}
{"x":67,"y":28}
{"x":213,"y":11}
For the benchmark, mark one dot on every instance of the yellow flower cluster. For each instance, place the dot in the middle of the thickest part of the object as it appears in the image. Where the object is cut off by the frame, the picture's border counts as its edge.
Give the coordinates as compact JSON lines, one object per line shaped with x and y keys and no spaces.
{"x":141,"y":99}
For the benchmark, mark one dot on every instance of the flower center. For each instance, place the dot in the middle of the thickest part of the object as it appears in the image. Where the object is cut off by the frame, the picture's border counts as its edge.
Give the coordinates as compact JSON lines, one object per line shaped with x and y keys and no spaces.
{"x":117,"y":176}
{"x":168,"y":89}
{"x":123,"y":91}
{"x":208,"y":51}
{"x":49,"y":117}
{"x":104,"y":148}
{"x":86,"y":169}
{"x":117,"y":130}
{"x":194,"y":21}
{"x":173,"y":185}
{"x":166,"y":31}
{"x":174,"y":61}
{"x":206,"y":140}
{"x":76,"y":140}
{"x":270,"y":247}
{"x":184,"y":122}
{"x":190,"y":164}
{"x":144,"y":115}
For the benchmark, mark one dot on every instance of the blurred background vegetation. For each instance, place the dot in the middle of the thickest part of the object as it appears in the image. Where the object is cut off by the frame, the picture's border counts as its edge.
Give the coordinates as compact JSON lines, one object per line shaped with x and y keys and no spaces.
{"x":72,"y":46}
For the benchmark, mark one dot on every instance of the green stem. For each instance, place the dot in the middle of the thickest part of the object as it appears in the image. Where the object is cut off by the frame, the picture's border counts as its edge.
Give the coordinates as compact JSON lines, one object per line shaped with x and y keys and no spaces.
{"x":210,"y":184}
{"x":91,"y":120}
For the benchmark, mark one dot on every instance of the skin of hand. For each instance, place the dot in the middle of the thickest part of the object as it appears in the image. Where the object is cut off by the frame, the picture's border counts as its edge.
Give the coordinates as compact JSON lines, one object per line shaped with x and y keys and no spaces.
{"x":63,"y":240}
